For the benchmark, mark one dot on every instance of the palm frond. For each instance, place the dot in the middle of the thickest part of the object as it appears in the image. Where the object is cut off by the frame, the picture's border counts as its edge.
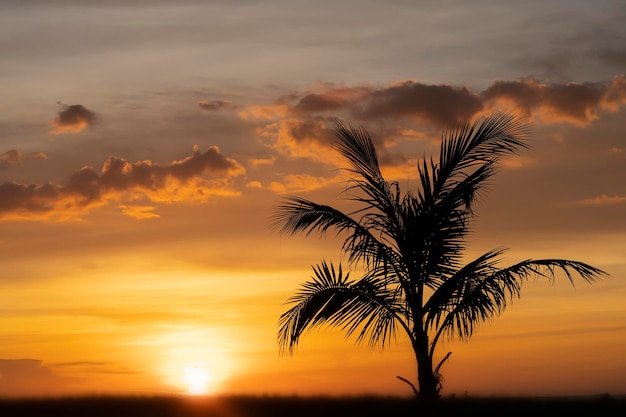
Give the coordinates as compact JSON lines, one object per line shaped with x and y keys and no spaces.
{"x":330,"y":298}
{"x":372,"y":191}
{"x":466,"y":281}
{"x":355,"y":144}
{"x":296,"y":215}
{"x":473,"y":144}
{"x":481,"y":291}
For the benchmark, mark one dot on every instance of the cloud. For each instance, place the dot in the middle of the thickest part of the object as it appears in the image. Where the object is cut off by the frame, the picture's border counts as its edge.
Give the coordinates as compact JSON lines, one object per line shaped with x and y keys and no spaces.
{"x":194,"y":178}
{"x":27,"y":377}
{"x":139,"y":212}
{"x":98,"y":367}
{"x":37,"y":155}
{"x":326,"y":98}
{"x":516,"y":161}
{"x":298,"y":183}
{"x":72,"y":119}
{"x":294,"y":138}
{"x":272,"y":112}
{"x":257,"y":162}
{"x":216,"y":105}
{"x":10,"y":158}
{"x":441,"y":105}
{"x":574,"y":103}
{"x":615,"y":96}
{"x":602,"y":200}
{"x":297,"y":125}
{"x":15,"y":157}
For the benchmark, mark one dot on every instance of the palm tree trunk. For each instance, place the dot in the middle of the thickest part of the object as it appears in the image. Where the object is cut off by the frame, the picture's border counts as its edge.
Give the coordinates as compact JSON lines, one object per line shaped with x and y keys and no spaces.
{"x":427,"y":381}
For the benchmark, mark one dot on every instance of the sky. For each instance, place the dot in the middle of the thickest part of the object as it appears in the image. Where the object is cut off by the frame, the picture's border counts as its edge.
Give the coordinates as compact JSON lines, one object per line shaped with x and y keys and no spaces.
{"x":144,"y":145}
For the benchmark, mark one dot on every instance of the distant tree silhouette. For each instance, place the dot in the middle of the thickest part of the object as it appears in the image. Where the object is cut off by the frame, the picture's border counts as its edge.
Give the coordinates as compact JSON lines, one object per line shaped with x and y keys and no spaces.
{"x":411,"y":246}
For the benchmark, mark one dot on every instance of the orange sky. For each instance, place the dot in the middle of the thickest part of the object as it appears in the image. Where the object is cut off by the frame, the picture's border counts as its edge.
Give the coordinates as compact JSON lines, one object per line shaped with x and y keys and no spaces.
{"x":143,"y":146}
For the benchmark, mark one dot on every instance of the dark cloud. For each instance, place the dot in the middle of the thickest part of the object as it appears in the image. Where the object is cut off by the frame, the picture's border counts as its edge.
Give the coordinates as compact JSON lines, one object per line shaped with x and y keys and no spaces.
{"x":195,"y":177}
{"x":216,"y":105}
{"x":576,"y":103}
{"x":304,"y":129}
{"x":73,"y":119}
{"x":315,"y":103}
{"x":27,"y":377}
{"x":298,"y":125}
{"x":311,"y":130}
{"x":442,"y":105}
{"x":445,"y":105}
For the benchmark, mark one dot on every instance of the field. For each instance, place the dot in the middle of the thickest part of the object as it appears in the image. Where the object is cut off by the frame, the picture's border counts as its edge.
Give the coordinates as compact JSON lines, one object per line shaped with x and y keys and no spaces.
{"x":305,"y":406}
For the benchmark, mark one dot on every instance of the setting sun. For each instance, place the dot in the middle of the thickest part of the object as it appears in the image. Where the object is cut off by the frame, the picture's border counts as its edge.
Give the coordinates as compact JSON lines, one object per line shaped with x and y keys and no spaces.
{"x":197,"y":376}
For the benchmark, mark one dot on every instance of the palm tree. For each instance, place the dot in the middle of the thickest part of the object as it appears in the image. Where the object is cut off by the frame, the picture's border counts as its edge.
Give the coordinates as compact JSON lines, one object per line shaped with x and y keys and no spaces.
{"x":411,"y":248}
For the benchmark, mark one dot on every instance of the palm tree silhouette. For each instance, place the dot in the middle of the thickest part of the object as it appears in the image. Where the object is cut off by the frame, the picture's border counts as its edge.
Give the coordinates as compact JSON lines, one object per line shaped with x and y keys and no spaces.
{"x":411,"y":246}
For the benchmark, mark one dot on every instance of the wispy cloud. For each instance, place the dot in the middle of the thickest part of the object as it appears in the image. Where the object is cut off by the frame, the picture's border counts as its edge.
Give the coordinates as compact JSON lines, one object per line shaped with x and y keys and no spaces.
{"x":299,"y":183}
{"x":139,"y":212}
{"x":602,"y":200}
{"x":97,"y":367}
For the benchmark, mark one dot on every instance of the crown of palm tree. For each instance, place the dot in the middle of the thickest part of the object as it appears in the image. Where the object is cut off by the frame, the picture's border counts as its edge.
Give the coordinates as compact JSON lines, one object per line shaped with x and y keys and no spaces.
{"x":411,"y":245}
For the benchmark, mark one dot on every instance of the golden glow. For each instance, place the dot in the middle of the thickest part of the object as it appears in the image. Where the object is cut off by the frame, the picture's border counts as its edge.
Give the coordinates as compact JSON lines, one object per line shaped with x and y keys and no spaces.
{"x":57,"y":128}
{"x":197,"y":377}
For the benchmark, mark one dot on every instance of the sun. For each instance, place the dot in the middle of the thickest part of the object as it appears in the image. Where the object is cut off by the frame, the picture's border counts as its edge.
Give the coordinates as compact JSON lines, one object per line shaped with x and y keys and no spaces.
{"x":196,"y":376}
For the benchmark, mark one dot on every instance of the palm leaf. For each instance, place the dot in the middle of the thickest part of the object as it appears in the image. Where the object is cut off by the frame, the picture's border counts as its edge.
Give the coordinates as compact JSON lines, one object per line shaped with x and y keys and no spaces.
{"x":481,"y":291}
{"x":330,"y":298}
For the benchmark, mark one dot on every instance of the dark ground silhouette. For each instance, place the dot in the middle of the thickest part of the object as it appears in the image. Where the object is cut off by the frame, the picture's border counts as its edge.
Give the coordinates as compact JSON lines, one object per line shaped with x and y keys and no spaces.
{"x":308,"y":406}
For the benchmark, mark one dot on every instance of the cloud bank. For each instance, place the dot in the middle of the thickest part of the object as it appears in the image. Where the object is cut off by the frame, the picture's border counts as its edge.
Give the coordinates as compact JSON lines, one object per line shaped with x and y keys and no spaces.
{"x":298,"y":125}
{"x":194,"y":178}
{"x":444,"y":105}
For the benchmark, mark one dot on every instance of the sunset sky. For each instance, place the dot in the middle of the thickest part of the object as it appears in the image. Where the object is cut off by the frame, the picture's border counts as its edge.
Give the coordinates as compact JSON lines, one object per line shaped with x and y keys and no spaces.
{"x":144,"y":144}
